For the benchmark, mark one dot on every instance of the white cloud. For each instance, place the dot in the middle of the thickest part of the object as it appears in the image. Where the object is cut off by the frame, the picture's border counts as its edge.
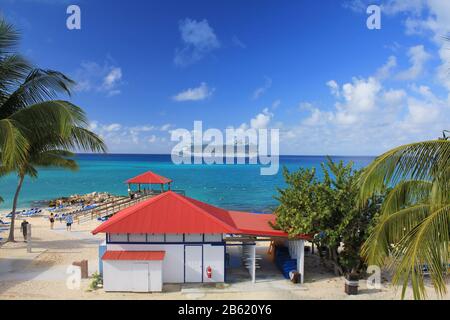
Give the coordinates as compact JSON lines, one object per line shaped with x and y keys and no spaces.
{"x":430,"y":18}
{"x":194,"y":94}
{"x":112,"y":78}
{"x":367,"y":119}
{"x":261,"y":120}
{"x":261,"y":90}
{"x":385,"y":71}
{"x":112,"y":127}
{"x":93,"y":77}
{"x":334,"y":87}
{"x":199,"y":39}
{"x":129,"y":139}
{"x":417,"y":57}
{"x":166,"y":127}
{"x":276,"y":104}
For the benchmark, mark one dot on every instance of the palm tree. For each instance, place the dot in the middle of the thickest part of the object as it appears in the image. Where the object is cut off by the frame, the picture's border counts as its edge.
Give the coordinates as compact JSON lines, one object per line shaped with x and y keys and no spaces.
{"x":413,"y":230}
{"x":13,"y":69}
{"x":35,"y":129}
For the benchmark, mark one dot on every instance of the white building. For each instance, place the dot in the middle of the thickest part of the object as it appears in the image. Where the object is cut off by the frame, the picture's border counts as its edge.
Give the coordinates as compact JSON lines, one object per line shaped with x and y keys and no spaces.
{"x":175,"y":239}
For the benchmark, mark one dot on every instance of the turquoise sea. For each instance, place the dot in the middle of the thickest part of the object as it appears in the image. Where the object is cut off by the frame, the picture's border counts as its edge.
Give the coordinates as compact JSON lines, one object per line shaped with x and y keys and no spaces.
{"x":236,"y":187}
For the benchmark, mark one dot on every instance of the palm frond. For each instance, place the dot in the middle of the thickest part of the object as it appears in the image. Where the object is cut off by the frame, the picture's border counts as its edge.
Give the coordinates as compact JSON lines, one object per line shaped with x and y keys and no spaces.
{"x":13,"y":144}
{"x":425,"y":245}
{"x":390,"y":230}
{"x":9,"y":37}
{"x":13,"y":69}
{"x":406,"y":193}
{"x":416,"y":161}
{"x":55,"y":158}
{"x":39,"y":86}
{"x":85,"y":140}
{"x":48,"y":118}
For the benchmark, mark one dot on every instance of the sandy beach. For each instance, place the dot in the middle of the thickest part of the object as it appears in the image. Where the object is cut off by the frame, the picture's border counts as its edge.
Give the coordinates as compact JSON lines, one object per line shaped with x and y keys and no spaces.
{"x":42,"y":274}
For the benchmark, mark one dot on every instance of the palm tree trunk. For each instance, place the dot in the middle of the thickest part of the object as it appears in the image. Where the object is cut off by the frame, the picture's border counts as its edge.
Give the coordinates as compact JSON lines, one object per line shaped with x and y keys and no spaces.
{"x":13,"y":212}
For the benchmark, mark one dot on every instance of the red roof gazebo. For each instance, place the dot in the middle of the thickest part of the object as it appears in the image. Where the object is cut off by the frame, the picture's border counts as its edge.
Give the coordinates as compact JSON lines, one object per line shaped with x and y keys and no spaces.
{"x":150,"y":178}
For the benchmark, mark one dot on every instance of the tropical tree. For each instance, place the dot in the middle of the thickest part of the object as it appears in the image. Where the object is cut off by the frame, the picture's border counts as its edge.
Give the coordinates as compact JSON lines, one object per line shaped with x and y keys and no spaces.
{"x":328,"y":208}
{"x":412,"y":234}
{"x":35,"y":129}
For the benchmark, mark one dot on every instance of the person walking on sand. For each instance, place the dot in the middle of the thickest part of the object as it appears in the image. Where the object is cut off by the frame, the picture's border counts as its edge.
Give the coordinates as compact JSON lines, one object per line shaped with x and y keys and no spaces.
{"x":69,"y":221}
{"x":52,"y":220}
{"x":24,"y":228}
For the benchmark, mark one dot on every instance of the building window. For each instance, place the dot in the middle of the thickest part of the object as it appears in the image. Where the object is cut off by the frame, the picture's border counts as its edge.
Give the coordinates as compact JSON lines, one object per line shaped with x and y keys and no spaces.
{"x":153,"y":237}
{"x":174,"y":237}
{"x":193,"y":237}
{"x":141,"y":237}
{"x":213,"y":237}
{"x":118,"y":237}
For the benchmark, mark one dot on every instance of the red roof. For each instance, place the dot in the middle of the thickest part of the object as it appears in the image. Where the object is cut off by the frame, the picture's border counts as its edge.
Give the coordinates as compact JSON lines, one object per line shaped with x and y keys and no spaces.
{"x":170,"y":212}
{"x":256,"y":224}
{"x":134,"y":255}
{"x":149,"y":178}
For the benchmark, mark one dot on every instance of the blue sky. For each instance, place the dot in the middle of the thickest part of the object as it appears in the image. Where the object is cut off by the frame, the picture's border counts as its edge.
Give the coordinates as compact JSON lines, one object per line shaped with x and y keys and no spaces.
{"x":309,"y":68}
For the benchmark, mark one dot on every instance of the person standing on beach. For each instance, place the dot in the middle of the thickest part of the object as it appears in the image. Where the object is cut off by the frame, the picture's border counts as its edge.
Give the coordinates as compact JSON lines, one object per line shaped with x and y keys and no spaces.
{"x":69,"y":221}
{"x":52,"y":220}
{"x":24,"y":228}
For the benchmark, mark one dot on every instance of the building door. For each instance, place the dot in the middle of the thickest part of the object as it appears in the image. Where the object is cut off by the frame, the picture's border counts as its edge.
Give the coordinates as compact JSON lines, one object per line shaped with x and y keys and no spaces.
{"x":140,"y":279}
{"x":193,"y":264}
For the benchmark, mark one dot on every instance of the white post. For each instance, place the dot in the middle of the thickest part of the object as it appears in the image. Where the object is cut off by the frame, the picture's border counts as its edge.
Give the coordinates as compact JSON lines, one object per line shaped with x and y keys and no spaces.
{"x":253,"y":257}
{"x":301,"y":258}
{"x":29,"y":238}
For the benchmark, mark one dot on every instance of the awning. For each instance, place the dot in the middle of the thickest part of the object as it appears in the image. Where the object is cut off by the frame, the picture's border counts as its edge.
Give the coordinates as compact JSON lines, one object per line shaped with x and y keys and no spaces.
{"x":134,"y":255}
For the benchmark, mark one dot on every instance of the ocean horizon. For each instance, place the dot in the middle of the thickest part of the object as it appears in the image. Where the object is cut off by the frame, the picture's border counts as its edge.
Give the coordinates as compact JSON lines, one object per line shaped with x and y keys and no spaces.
{"x":234,"y":187}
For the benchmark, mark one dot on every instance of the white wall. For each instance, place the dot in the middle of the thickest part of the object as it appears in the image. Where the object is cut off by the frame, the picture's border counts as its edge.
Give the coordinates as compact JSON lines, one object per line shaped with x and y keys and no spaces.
{"x":214,"y":256}
{"x":117,"y":275}
{"x":173,"y":263}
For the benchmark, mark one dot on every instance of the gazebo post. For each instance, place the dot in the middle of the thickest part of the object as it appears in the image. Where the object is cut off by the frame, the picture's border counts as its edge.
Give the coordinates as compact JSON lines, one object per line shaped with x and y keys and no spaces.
{"x":300,"y":244}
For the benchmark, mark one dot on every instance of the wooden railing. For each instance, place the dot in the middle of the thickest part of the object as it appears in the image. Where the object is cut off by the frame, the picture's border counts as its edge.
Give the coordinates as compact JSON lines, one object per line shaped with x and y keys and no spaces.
{"x":115,"y":206}
{"x":110,"y":208}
